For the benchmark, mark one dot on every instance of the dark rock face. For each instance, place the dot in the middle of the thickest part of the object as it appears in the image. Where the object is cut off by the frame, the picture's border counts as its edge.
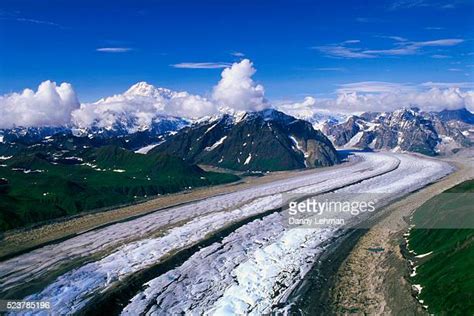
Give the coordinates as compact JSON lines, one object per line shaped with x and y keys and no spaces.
{"x":404,"y":130}
{"x":461,"y":115}
{"x":343,"y":132}
{"x":258,"y":141}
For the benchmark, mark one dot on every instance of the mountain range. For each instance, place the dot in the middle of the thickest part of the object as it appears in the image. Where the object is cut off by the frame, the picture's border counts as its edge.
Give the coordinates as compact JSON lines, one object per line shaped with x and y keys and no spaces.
{"x":51,"y":172}
{"x":408,"y":129}
{"x":267,"y":140}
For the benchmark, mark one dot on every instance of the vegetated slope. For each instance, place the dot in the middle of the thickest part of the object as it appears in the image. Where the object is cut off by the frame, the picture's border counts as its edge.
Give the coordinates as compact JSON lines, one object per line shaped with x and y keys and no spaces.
{"x":258,"y":141}
{"x":36,"y":186}
{"x":445,"y":273}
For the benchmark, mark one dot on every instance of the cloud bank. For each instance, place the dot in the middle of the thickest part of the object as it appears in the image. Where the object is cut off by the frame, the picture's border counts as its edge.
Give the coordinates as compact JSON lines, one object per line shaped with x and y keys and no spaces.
{"x":139,"y":107}
{"x":50,"y":105}
{"x":143,"y":104}
{"x":385,"y":96}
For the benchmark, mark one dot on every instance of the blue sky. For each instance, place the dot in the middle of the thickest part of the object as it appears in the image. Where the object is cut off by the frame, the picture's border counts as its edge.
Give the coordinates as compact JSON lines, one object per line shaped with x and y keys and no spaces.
{"x":298,"y":47}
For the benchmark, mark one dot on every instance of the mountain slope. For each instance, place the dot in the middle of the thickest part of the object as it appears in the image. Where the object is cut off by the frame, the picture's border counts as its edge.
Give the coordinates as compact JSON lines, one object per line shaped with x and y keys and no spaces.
{"x":401,"y":130}
{"x":259,"y":141}
{"x":461,"y":115}
{"x":37,"y":186}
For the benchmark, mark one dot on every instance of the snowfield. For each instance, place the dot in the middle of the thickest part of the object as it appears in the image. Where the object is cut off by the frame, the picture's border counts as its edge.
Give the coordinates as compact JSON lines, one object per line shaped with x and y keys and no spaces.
{"x":247,"y":272}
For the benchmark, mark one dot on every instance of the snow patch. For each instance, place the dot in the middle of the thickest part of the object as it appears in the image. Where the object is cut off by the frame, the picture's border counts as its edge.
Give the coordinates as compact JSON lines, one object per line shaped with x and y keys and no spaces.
{"x":216,"y":144}
{"x":424,"y":255}
{"x":247,"y":161}
{"x":354,"y":140}
{"x":146,"y":149}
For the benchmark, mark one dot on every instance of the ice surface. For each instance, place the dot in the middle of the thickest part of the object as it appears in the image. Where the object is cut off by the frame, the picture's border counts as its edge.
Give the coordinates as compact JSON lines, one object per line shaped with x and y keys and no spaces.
{"x":247,"y":272}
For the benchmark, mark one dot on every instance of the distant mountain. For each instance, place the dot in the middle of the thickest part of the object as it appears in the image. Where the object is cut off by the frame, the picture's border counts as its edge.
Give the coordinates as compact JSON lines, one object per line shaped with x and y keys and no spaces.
{"x":403,"y":130}
{"x":29,"y":135}
{"x":268,"y":140}
{"x":124,"y":126}
{"x":461,"y":115}
{"x":140,"y":108}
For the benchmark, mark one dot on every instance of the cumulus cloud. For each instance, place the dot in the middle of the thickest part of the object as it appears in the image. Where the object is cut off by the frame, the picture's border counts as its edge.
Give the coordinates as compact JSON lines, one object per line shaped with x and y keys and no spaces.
{"x":140,"y":106}
{"x":143,"y":103}
{"x":304,"y":109}
{"x":378,"y":97}
{"x":238,"y":91}
{"x":50,"y":105}
{"x":188,"y":105}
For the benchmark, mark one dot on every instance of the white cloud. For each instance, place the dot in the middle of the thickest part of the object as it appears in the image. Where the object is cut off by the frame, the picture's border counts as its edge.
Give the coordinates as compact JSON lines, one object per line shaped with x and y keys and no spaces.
{"x":462,"y":85}
{"x":140,"y":106}
{"x":401,"y":47}
{"x":237,"y":90}
{"x":50,"y":105}
{"x":208,"y":65}
{"x":373,"y":87}
{"x":383,"y":96}
{"x":114,"y":49}
{"x":304,"y":109}
{"x":237,"y":54}
{"x":34,"y":21}
{"x":187,"y":105}
{"x":135,"y":109}
{"x":332,"y":69}
{"x":342,"y":51}
{"x":440,"y":56}
{"x":410,"y":4}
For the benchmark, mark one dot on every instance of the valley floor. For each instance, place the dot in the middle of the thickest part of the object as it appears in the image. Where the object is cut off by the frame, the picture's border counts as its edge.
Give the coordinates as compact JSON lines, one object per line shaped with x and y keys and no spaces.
{"x":229,"y":253}
{"x":17,"y":241}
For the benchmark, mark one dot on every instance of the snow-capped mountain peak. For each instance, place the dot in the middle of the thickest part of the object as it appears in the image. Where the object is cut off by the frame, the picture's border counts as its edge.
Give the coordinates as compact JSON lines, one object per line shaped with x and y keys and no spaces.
{"x":406,"y":129}
{"x":144,"y":89}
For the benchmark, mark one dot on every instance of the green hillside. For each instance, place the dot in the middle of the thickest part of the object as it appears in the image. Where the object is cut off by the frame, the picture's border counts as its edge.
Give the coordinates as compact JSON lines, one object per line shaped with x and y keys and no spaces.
{"x":446,"y":275}
{"x":33,"y":188}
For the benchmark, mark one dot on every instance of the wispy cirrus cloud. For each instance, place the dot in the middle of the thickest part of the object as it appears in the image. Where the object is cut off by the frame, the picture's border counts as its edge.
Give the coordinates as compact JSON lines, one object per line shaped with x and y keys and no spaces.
{"x":34,"y":21}
{"x":444,"y":85}
{"x":440,"y":56}
{"x":114,"y":49}
{"x":237,"y":54}
{"x":16,"y":17}
{"x":434,"y":28}
{"x":205,"y":65}
{"x":401,"y":47}
{"x":341,"y":51}
{"x":373,"y":87}
{"x":410,"y":4}
{"x":332,"y":69}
